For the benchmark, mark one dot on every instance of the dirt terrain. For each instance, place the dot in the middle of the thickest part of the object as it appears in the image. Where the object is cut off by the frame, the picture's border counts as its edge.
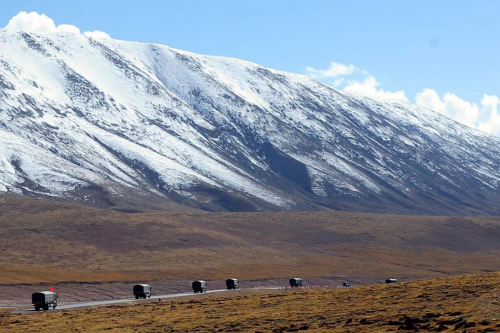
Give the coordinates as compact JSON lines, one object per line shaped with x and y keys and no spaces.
{"x":95,"y":254}
{"x":50,"y":242}
{"x":453,"y":304}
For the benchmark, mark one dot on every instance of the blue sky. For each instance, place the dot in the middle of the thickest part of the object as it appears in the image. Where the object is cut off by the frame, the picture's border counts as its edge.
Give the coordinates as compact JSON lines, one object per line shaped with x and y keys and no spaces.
{"x":381,"y":47}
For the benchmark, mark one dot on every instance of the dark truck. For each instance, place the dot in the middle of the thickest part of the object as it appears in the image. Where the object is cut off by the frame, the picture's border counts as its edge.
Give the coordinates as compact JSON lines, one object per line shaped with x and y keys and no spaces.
{"x":142,"y":291}
{"x":232,"y":284}
{"x":44,"y":300}
{"x":296,"y":282}
{"x":199,"y":286}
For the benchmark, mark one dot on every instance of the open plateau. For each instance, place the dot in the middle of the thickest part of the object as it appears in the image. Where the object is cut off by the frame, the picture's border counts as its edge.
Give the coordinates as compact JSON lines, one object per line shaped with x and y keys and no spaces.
{"x":128,"y":166}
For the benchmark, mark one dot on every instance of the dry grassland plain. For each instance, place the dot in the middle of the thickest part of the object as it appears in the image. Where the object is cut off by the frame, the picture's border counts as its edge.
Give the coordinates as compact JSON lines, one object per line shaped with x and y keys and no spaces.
{"x":50,"y":242}
{"x":454,"y":304}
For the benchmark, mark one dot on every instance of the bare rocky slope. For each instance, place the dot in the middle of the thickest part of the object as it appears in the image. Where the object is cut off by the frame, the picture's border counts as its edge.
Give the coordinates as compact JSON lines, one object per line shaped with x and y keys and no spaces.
{"x":113,"y":123}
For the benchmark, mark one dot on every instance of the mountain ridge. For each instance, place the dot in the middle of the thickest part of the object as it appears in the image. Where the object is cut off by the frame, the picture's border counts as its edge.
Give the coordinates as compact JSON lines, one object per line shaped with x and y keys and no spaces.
{"x":111,"y":123}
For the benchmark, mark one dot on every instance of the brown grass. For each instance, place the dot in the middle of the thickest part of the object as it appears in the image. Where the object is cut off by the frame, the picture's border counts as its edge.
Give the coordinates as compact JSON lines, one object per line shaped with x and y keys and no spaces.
{"x":48,"y":241}
{"x":465,"y":303}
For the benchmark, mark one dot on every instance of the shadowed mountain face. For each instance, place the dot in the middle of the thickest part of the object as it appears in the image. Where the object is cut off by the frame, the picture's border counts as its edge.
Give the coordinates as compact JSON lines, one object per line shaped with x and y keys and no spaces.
{"x":114,"y":123}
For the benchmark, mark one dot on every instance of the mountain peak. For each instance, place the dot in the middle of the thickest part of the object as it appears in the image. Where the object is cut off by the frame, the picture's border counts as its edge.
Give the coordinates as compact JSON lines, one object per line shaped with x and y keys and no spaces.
{"x":110,"y":122}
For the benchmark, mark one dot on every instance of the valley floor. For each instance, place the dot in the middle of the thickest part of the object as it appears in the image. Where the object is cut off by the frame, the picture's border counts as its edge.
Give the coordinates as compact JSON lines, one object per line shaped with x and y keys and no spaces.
{"x":96,"y":254}
{"x":468,"y":303}
{"x":50,"y":242}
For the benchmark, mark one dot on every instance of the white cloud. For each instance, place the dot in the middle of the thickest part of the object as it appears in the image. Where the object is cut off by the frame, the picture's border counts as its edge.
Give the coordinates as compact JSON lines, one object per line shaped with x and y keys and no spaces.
{"x":96,"y":34}
{"x":489,"y":120}
{"x":338,"y":82}
{"x":364,"y":84}
{"x":485,"y":117}
{"x":41,"y":23}
{"x":68,"y":28}
{"x":450,"y":105}
{"x":351,"y":79}
{"x":335,"y":69}
{"x":368,"y":87}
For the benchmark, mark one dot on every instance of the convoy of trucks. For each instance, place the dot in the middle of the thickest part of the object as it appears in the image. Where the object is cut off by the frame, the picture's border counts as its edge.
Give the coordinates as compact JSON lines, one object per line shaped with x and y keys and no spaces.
{"x":46,"y":299}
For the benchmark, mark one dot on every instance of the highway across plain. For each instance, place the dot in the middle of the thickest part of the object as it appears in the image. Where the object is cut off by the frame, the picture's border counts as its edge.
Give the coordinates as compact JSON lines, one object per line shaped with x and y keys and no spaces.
{"x":75,"y":305}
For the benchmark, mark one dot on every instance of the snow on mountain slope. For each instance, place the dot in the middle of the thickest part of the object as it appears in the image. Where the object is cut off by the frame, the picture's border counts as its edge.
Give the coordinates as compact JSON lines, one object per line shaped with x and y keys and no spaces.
{"x":107,"y":121}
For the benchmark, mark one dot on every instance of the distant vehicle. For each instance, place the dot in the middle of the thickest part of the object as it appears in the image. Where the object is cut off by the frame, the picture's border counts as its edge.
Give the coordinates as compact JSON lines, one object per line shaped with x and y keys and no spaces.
{"x":199,"y":286}
{"x":391,"y":281}
{"x":232,"y":284}
{"x":296,"y":282}
{"x":44,"y":300}
{"x":346,"y":285}
{"x":142,"y":291}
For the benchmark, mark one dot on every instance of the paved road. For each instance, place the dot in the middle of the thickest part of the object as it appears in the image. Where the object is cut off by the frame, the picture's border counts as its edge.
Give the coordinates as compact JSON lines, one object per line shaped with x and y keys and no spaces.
{"x":75,"y":305}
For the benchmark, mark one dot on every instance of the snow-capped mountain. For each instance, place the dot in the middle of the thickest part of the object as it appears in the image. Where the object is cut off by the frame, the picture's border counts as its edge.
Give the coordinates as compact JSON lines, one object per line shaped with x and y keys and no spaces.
{"x":108,"y":121}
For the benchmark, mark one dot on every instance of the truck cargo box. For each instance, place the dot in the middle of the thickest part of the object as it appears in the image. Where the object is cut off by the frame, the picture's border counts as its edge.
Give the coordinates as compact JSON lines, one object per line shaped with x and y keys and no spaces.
{"x":296,"y":282}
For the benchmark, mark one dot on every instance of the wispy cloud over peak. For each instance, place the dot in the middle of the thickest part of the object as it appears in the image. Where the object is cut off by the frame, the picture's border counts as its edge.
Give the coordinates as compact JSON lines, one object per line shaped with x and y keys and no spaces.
{"x":41,"y":23}
{"x":484,"y":116}
{"x":334,"y":70}
{"x":350,"y":78}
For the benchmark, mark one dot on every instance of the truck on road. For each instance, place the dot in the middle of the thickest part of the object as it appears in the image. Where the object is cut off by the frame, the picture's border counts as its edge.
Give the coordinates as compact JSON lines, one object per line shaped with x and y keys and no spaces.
{"x":199,"y":286}
{"x":142,"y":291}
{"x":232,"y":284}
{"x":44,"y":300}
